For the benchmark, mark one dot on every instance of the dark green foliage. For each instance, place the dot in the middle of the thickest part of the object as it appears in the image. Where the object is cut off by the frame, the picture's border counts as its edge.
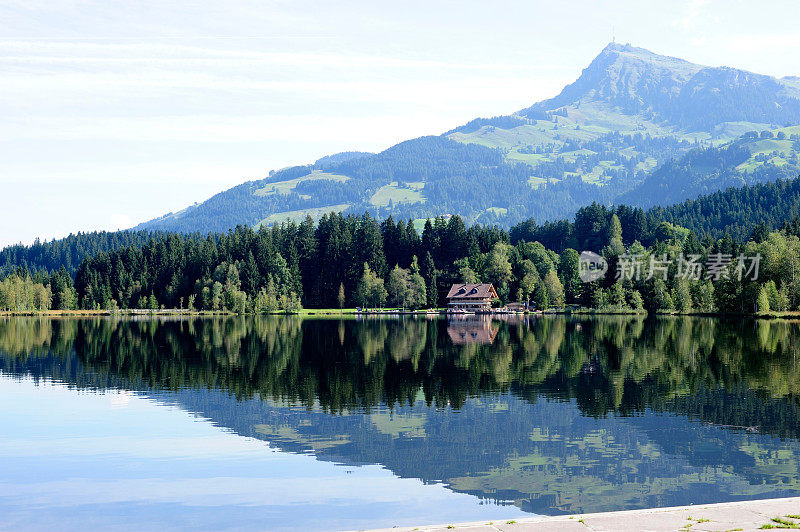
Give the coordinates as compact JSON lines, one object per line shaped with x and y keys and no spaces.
{"x":68,"y":252}
{"x":735,"y":212}
{"x":251,"y":270}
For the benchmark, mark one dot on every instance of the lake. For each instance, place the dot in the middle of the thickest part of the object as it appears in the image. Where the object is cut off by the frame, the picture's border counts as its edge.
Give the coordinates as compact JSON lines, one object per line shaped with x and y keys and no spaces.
{"x":300,"y":423}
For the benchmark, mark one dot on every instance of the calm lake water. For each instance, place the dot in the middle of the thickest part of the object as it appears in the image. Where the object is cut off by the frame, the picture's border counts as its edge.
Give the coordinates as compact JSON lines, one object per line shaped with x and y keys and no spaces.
{"x":288,"y":423}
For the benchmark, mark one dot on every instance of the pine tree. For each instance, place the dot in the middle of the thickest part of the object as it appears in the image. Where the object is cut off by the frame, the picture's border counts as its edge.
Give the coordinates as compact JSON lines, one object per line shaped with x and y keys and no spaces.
{"x":429,"y":274}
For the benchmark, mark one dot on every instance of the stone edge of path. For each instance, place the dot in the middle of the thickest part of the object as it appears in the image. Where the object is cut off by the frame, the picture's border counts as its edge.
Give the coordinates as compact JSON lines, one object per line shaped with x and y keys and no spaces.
{"x":718,"y":517}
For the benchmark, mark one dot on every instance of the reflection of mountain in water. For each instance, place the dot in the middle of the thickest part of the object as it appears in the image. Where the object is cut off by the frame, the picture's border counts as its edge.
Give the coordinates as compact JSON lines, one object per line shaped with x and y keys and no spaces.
{"x":622,"y":413}
{"x":478,"y":329}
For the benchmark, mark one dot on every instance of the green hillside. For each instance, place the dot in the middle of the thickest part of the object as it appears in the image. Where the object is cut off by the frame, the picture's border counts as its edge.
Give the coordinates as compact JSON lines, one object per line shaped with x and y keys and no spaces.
{"x":750,"y":159}
{"x":630,"y":124}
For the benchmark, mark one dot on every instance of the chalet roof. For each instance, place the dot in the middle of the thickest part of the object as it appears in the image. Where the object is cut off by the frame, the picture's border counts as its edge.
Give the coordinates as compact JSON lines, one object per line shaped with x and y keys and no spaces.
{"x":482,"y":290}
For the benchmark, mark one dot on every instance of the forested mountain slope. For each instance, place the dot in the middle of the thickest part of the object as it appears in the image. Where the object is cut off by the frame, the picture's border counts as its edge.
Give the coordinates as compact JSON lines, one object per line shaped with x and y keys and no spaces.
{"x":737,"y":211}
{"x":733,"y":214}
{"x":607,"y":134}
{"x":68,"y":252}
{"x":753,"y":158}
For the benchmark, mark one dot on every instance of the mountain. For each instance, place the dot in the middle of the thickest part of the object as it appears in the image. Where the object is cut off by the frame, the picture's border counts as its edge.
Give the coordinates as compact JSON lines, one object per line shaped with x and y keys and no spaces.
{"x":629,"y":124}
{"x":626,"y":81}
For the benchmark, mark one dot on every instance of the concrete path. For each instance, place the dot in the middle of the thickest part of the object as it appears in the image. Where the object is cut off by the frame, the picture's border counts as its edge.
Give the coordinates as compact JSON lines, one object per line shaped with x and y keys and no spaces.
{"x":725,"y":517}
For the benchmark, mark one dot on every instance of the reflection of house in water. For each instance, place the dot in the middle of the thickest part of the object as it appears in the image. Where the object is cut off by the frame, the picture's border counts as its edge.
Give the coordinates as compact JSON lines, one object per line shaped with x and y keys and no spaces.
{"x":476,"y":296}
{"x":472,"y":330}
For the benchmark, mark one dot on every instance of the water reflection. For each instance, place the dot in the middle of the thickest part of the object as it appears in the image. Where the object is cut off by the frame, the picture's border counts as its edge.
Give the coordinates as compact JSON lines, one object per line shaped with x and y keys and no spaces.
{"x":472,"y":329}
{"x":553,"y":414}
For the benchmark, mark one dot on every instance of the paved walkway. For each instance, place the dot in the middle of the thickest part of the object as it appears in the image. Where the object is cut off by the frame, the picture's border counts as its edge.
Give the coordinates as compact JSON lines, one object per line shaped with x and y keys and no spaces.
{"x":724,"y":517}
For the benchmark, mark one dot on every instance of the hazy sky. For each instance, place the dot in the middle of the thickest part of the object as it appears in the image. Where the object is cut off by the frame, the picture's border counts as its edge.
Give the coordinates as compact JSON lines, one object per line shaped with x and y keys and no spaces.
{"x":118,"y":112}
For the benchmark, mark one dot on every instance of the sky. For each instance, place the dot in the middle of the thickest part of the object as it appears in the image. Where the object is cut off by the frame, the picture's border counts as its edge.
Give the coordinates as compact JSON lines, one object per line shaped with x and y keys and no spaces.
{"x":114,"y":113}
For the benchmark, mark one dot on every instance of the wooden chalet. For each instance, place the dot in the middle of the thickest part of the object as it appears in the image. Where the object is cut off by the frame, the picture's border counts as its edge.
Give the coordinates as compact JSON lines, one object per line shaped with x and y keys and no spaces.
{"x":478,"y":296}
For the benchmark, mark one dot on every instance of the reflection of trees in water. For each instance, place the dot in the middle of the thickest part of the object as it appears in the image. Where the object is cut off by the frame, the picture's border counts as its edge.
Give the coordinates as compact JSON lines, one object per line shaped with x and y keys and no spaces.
{"x":546,"y":456}
{"x":610,"y":363}
{"x":35,"y":336}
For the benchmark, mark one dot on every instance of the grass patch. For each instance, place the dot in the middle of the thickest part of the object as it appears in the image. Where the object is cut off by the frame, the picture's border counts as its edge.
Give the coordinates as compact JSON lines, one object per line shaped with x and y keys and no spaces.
{"x":770,"y":145}
{"x":495,"y":137}
{"x":284,"y":187}
{"x":531,"y":159}
{"x":783,"y":523}
{"x":327,"y":311}
{"x":394,"y":192}
{"x":732,"y":130}
{"x":536,"y":182}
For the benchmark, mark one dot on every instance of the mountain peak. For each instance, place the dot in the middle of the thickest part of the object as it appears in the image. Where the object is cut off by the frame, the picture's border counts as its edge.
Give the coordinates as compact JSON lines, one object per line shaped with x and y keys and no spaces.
{"x":625,"y":76}
{"x":629,"y":50}
{"x":614,"y":46}
{"x":674,"y":92}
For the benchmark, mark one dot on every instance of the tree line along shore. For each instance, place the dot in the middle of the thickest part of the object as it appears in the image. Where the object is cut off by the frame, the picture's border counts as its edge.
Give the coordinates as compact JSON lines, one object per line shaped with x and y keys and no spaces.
{"x":346,"y":261}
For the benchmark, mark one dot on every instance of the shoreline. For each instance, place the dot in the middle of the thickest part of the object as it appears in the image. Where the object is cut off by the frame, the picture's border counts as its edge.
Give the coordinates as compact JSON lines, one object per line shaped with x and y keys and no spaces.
{"x":727,"y":516}
{"x":783,"y":315}
{"x":121,"y":312}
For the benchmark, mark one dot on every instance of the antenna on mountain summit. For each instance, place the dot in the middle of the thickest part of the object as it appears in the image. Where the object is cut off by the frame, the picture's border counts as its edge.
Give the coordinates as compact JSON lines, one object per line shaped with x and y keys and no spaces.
{"x":613,"y":35}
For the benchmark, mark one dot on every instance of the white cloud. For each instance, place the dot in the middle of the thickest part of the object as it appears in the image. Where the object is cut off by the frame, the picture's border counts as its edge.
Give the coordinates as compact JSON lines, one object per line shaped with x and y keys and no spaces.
{"x":694,"y":15}
{"x":82,"y":52}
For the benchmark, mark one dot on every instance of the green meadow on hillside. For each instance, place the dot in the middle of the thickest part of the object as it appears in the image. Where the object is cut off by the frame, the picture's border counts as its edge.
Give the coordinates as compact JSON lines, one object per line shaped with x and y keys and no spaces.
{"x":396,"y":194}
{"x":284,"y":187}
